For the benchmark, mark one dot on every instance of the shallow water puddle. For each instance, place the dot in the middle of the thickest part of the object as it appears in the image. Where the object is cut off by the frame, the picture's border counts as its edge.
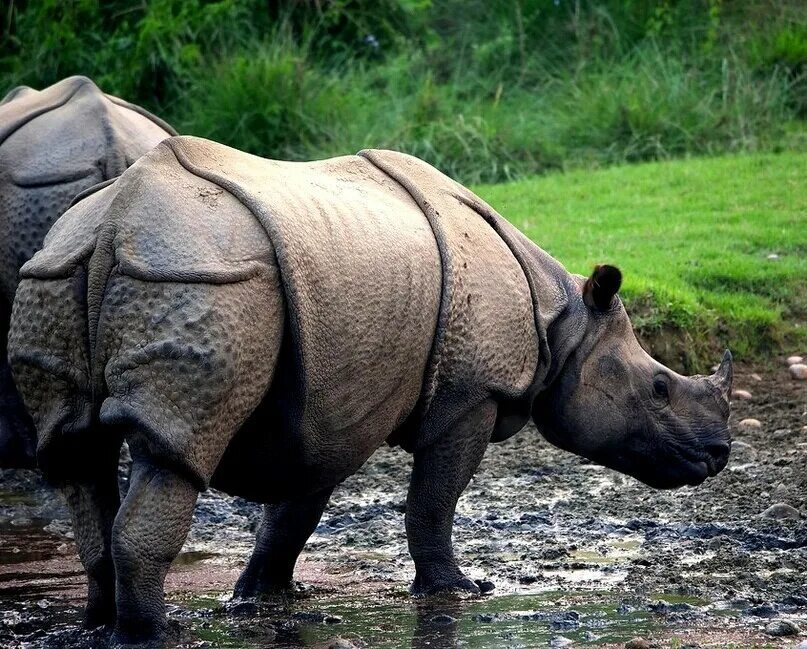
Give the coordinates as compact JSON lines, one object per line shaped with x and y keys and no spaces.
{"x":589,"y":618}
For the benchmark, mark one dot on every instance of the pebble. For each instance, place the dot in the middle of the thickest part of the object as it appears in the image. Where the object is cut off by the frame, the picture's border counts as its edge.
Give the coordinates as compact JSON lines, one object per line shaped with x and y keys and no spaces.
{"x":773,"y":256}
{"x":798,"y":371}
{"x":443,"y":619}
{"x":781,"y":510}
{"x":560,"y":641}
{"x":779,"y":628}
{"x":761,"y":610}
{"x":742,"y":452}
{"x":741,"y":394}
{"x":793,"y":360}
{"x":637,"y":643}
{"x":750,"y":424}
{"x":756,"y":377}
{"x":485,"y":586}
{"x":341,"y":643}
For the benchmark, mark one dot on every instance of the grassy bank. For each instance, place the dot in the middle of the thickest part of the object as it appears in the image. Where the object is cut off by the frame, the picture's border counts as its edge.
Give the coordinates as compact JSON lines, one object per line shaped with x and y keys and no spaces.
{"x":695,"y":240}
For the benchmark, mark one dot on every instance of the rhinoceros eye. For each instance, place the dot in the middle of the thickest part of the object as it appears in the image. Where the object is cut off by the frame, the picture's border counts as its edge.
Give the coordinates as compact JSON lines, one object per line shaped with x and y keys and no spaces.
{"x":660,"y":387}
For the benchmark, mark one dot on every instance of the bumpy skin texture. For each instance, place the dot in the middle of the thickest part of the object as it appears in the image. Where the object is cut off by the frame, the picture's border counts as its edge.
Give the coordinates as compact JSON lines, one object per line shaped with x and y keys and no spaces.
{"x":54,"y":144}
{"x":263,"y":327}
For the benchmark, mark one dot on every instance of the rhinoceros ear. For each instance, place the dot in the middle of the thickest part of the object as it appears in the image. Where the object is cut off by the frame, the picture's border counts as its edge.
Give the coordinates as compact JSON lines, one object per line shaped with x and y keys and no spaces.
{"x":600,"y":288}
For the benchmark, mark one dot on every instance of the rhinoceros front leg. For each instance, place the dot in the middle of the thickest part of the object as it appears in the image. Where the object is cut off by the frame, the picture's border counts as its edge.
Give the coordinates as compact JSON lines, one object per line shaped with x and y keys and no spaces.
{"x":93,"y":502}
{"x":440,"y":474}
{"x":149,"y":531}
{"x":284,"y":529}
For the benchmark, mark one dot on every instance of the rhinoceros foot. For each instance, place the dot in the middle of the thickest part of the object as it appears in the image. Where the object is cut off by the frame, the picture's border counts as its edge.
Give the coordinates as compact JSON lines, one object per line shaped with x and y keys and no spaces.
{"x":436,"y":582}
{"x":249,"y":587}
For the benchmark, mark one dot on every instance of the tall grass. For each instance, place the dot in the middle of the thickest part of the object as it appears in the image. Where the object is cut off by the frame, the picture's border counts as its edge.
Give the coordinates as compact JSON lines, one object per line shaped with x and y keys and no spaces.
{"x":650,"y":104}
{"x":486,"y":90}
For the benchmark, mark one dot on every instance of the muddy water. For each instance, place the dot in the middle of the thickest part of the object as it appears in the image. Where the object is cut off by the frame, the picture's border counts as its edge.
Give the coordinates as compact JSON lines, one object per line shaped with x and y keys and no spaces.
{"x":577,"y":553}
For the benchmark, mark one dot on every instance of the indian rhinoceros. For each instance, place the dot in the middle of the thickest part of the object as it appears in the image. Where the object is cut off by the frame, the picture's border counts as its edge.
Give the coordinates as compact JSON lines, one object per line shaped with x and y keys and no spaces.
{"x":263,"y":327}
{"x":54,"y":144}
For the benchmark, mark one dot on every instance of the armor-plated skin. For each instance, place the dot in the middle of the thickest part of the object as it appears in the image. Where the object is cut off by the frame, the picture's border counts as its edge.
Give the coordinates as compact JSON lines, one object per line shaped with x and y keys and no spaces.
{"x":264,"y":326}
{"x":54,"y":144}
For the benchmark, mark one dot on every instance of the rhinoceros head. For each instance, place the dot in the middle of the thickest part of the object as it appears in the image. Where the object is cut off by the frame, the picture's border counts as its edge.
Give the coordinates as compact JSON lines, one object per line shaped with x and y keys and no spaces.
{"x":612,"y":403}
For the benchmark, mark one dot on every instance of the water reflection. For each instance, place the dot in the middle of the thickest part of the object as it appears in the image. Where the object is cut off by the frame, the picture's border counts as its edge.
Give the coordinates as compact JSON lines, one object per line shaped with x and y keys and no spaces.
{"x":437,"y":623}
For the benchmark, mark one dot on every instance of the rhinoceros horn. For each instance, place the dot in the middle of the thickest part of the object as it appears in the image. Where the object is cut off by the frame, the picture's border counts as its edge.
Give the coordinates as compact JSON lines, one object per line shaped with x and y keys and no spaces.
{"x":721,"y":379}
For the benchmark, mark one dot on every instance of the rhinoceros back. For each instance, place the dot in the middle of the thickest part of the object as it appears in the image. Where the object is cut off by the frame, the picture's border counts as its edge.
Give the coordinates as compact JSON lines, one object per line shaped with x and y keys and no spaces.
{"x":199,"y":253}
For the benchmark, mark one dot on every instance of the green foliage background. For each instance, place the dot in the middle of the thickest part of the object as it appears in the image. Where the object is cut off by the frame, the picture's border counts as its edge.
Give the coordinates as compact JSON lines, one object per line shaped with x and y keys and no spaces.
{"x":487,"y":90}
{"x":501,"y":90}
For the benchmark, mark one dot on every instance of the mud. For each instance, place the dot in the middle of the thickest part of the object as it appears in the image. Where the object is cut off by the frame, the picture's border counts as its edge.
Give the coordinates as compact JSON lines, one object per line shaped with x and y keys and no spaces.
{"x":577,"y":553}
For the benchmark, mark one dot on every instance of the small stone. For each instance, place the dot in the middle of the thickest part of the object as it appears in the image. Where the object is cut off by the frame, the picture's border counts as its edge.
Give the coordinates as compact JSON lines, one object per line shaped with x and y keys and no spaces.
{"x":637,"y":643}
{"x":750,"y":424}
{"x":773,"y":256}
{"x":794,"y":360}
{"x":742,"y":453}
{"x":442,"y":619}
{"x":798,"y":371}
{"x":341,"y":643}
{"x":485,"y":617}
{"x":780,"y":628}
{"x":761,"y":610}
{"x":780,"y":511}
{"x":741,"y":394}
{"x":332,"y":619}
{"x":560,"y":641}
{"x":485,"y":586}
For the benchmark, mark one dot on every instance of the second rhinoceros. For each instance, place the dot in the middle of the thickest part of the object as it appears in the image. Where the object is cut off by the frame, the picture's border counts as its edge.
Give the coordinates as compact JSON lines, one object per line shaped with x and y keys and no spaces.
{"x":263,"y":327}
{"x":54,"y":144}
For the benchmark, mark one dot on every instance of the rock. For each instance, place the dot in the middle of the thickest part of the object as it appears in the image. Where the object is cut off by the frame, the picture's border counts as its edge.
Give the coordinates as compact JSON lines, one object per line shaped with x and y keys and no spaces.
{"x":761,"y":610}
{"x":332,"y":619}
{"x":780,"y":628}
{"x":637,"y":643}
{"x":801,"y":645}
{"x":443,"y":619}
{"x":560,"y":641}
{"x":773,"y":256}
{"x":798,"y":371}
{"x":793,"y":360}
{"x":742,"y":453}
{"x":780,"y":511}
{"x":756,"y":377}
{"x":341,"y":643}
{"x":749,"y":424}
{"x":485,"y":617}
{"x":741,"y":394}
{"x":485,"y":586}
{"x":245,"y":608}
{"x":665,"y":608}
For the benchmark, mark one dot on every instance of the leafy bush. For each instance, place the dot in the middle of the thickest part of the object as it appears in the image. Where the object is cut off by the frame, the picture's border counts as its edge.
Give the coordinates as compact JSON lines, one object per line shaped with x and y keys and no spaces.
{"x":486,"y":90}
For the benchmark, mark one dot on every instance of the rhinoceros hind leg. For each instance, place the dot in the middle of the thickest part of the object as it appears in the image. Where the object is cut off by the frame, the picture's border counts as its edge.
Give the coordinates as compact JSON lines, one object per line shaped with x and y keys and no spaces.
{"x":149,"y":531}
{"x":440,"y":474}
{"x":284,"y":529}
{"x":93,"y":500}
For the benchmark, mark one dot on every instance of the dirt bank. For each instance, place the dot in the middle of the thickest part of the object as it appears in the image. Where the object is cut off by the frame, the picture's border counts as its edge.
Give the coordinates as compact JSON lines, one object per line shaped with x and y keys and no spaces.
{"x":576,"y":551}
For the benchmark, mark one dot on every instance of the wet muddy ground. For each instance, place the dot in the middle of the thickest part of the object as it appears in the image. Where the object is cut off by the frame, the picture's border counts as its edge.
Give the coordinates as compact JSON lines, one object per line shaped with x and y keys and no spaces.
{"x":580,"y":555}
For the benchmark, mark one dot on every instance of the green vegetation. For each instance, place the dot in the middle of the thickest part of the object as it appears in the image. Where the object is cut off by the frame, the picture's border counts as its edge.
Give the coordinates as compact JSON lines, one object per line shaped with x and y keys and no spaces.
{"x":487,"y":90}
{"x":693,"y":240}
{"x":501,"y":90}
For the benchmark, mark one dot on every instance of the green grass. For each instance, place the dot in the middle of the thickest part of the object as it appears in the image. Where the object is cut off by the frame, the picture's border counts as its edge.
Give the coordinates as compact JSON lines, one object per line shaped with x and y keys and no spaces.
{"x":692,"y":238}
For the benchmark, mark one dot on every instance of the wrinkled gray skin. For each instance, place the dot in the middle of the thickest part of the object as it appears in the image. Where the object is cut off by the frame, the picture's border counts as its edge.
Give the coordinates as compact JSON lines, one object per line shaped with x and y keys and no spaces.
{"x":54,"y":144}
{"x":263,"y":327}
